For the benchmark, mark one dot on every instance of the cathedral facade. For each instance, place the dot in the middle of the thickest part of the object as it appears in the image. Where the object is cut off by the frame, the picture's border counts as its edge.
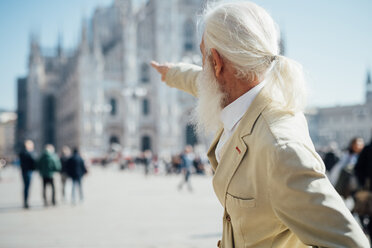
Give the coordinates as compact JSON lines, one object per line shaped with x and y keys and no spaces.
{"x":103,"y":93}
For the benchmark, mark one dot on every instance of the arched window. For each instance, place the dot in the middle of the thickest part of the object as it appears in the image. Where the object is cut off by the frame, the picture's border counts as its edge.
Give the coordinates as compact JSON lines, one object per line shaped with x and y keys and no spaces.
{"x":191,"y":137}
{"x":145,"y":73}
{"x":113,"y":106}
{"x":114,"y":140}
{"x":188,"y":35}
{"x":145,"y":107}
{"x":146,"y":143}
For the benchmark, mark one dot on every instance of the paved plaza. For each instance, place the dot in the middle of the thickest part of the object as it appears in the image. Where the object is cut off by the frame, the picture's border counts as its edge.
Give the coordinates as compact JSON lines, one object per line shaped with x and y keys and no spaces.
{"x":121,"y":209}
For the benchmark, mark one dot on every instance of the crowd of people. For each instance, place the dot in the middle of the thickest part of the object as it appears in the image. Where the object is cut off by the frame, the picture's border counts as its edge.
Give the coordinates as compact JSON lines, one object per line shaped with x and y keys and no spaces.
{"x":185,"y":163}
{"x":69,"y":165}
{"x":154,"y":164}
{"x":350,"y":172}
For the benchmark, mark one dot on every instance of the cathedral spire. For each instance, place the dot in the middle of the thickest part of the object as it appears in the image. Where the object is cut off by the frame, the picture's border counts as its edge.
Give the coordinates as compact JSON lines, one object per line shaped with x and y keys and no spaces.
{"x":59,"y":45}
{"x":369,"y":87}
{"x":84,"y":43}
{"x":35,"y":52}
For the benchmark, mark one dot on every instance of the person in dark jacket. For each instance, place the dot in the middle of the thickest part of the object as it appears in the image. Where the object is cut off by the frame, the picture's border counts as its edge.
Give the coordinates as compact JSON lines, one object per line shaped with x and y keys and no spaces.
{"x":363,"y":167}
{"x":75,"y":170}
{"x":331,"y":158}
{"x":27,"y":163}
{"x":47,"y":165}
{"x":363,"y":172}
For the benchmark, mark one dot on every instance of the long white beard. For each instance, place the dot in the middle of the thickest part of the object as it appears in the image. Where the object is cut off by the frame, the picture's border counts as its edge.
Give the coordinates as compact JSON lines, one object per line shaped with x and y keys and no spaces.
{"x":206,"y":115}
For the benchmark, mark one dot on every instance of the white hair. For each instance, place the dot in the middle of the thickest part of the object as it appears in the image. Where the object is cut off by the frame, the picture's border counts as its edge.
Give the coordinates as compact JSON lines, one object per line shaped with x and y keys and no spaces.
{"x":245,"y":34}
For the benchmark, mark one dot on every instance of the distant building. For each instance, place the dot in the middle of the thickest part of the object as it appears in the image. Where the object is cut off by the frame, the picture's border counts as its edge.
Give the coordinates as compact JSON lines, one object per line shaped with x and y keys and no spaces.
{"x":7,"y":135}
{"x":104,"y":92}
{"x":342,"y":123}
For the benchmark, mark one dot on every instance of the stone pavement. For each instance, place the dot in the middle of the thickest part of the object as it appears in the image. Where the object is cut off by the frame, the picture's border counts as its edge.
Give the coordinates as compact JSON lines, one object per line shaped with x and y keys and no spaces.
{"x":121,"y":209}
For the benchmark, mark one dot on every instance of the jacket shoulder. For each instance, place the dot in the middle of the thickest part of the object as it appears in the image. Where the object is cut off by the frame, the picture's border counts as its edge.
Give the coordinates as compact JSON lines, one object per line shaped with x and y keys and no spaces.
{"x":289,"y":138}
{"x":286,"y":127}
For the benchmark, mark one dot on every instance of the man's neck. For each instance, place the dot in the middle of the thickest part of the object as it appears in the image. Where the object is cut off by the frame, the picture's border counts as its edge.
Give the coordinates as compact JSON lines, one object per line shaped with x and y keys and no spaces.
{"x":241,"y":88}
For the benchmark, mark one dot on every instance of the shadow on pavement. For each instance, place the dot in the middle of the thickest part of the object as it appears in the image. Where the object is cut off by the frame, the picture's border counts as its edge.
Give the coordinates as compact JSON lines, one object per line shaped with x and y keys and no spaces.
{"x":19,"y":208}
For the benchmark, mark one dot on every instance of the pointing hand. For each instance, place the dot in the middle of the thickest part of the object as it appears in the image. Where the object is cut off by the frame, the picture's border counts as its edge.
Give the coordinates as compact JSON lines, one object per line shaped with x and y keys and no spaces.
{"x":161,"y":68}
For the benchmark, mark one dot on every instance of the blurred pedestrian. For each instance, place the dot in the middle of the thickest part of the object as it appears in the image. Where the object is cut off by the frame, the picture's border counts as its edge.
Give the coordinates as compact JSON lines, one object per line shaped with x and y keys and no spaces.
{"x":147,"y":158}
{"x":199,"y":166}
{"x":342,"y":175}
{"x":48,"y":164}
{"x":363,"y":167}
{"x":176,"y":163}
{"x":2,"y":165}
{"x":76,"y":169}
{"x":330,"y":157}
{"x":65,"y":155}
{"x":155,"y":163}
{"x":363,"y":172}
{"x":187,"y":164}
{"x":27,"y":163}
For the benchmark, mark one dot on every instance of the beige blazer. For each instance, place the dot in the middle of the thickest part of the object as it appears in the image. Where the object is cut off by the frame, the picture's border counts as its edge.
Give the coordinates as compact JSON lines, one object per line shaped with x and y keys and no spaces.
{"x":272,"y":183}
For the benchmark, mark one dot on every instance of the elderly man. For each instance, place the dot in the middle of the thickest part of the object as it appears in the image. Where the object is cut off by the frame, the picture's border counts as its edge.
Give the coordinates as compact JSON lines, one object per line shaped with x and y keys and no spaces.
{"x":268,"y":177}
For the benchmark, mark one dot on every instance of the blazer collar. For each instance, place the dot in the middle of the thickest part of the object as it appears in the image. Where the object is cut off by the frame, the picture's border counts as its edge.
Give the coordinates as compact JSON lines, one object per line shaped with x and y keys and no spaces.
{"x":245,"y":126}
{"x":249,"y":119}
{"x":235,"y":148}
{"x":234,"y":112}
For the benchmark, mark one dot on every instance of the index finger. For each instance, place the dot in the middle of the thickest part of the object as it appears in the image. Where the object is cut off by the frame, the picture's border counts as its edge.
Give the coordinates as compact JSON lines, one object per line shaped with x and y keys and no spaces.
{"x":155,"y":64}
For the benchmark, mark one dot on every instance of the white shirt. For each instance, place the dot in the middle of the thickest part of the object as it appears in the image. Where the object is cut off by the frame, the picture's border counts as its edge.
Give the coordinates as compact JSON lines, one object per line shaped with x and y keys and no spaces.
{"x":233,"y":113}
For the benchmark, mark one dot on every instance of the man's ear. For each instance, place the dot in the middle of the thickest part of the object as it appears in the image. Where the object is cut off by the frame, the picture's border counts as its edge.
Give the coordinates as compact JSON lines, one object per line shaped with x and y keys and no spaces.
{"x":217,"y":62}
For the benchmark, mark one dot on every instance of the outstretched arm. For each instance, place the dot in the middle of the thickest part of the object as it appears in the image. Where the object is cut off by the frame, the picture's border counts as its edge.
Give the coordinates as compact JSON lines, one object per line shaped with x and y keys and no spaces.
{"x":181,"y":76}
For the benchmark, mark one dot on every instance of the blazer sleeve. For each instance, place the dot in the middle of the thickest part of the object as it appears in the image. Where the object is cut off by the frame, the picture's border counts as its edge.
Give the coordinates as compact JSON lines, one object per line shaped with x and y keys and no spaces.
{"x":183,"y":76}
{"x":305,"y":201}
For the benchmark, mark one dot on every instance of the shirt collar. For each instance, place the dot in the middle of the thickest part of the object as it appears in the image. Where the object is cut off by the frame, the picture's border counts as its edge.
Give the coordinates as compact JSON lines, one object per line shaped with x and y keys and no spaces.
{"x":233,"y":112}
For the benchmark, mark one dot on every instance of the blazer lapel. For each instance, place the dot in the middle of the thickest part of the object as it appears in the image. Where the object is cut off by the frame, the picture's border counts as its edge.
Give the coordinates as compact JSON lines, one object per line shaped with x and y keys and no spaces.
{"x":234,"y":151}
{"x":211,"y":151}
{"x":235,"y":148}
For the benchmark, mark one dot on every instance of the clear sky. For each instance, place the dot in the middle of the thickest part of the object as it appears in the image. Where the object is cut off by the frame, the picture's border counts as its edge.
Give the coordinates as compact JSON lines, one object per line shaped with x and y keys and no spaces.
{"x":332,"y":39}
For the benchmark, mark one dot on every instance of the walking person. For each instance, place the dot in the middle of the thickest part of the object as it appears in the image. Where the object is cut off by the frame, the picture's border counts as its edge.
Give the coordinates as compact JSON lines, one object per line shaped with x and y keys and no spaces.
{"x":187,"y":159}
{"x":363,"y":172}
{"x":48,"y":164}
{"x":76,"y":170}
{"x":330,"y":157}
{"x":342,"y":174}
{"x":65,"y":155}
{"x":268,"y":176}
{"x":147,"y":161}
{"x":27,"y":163}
